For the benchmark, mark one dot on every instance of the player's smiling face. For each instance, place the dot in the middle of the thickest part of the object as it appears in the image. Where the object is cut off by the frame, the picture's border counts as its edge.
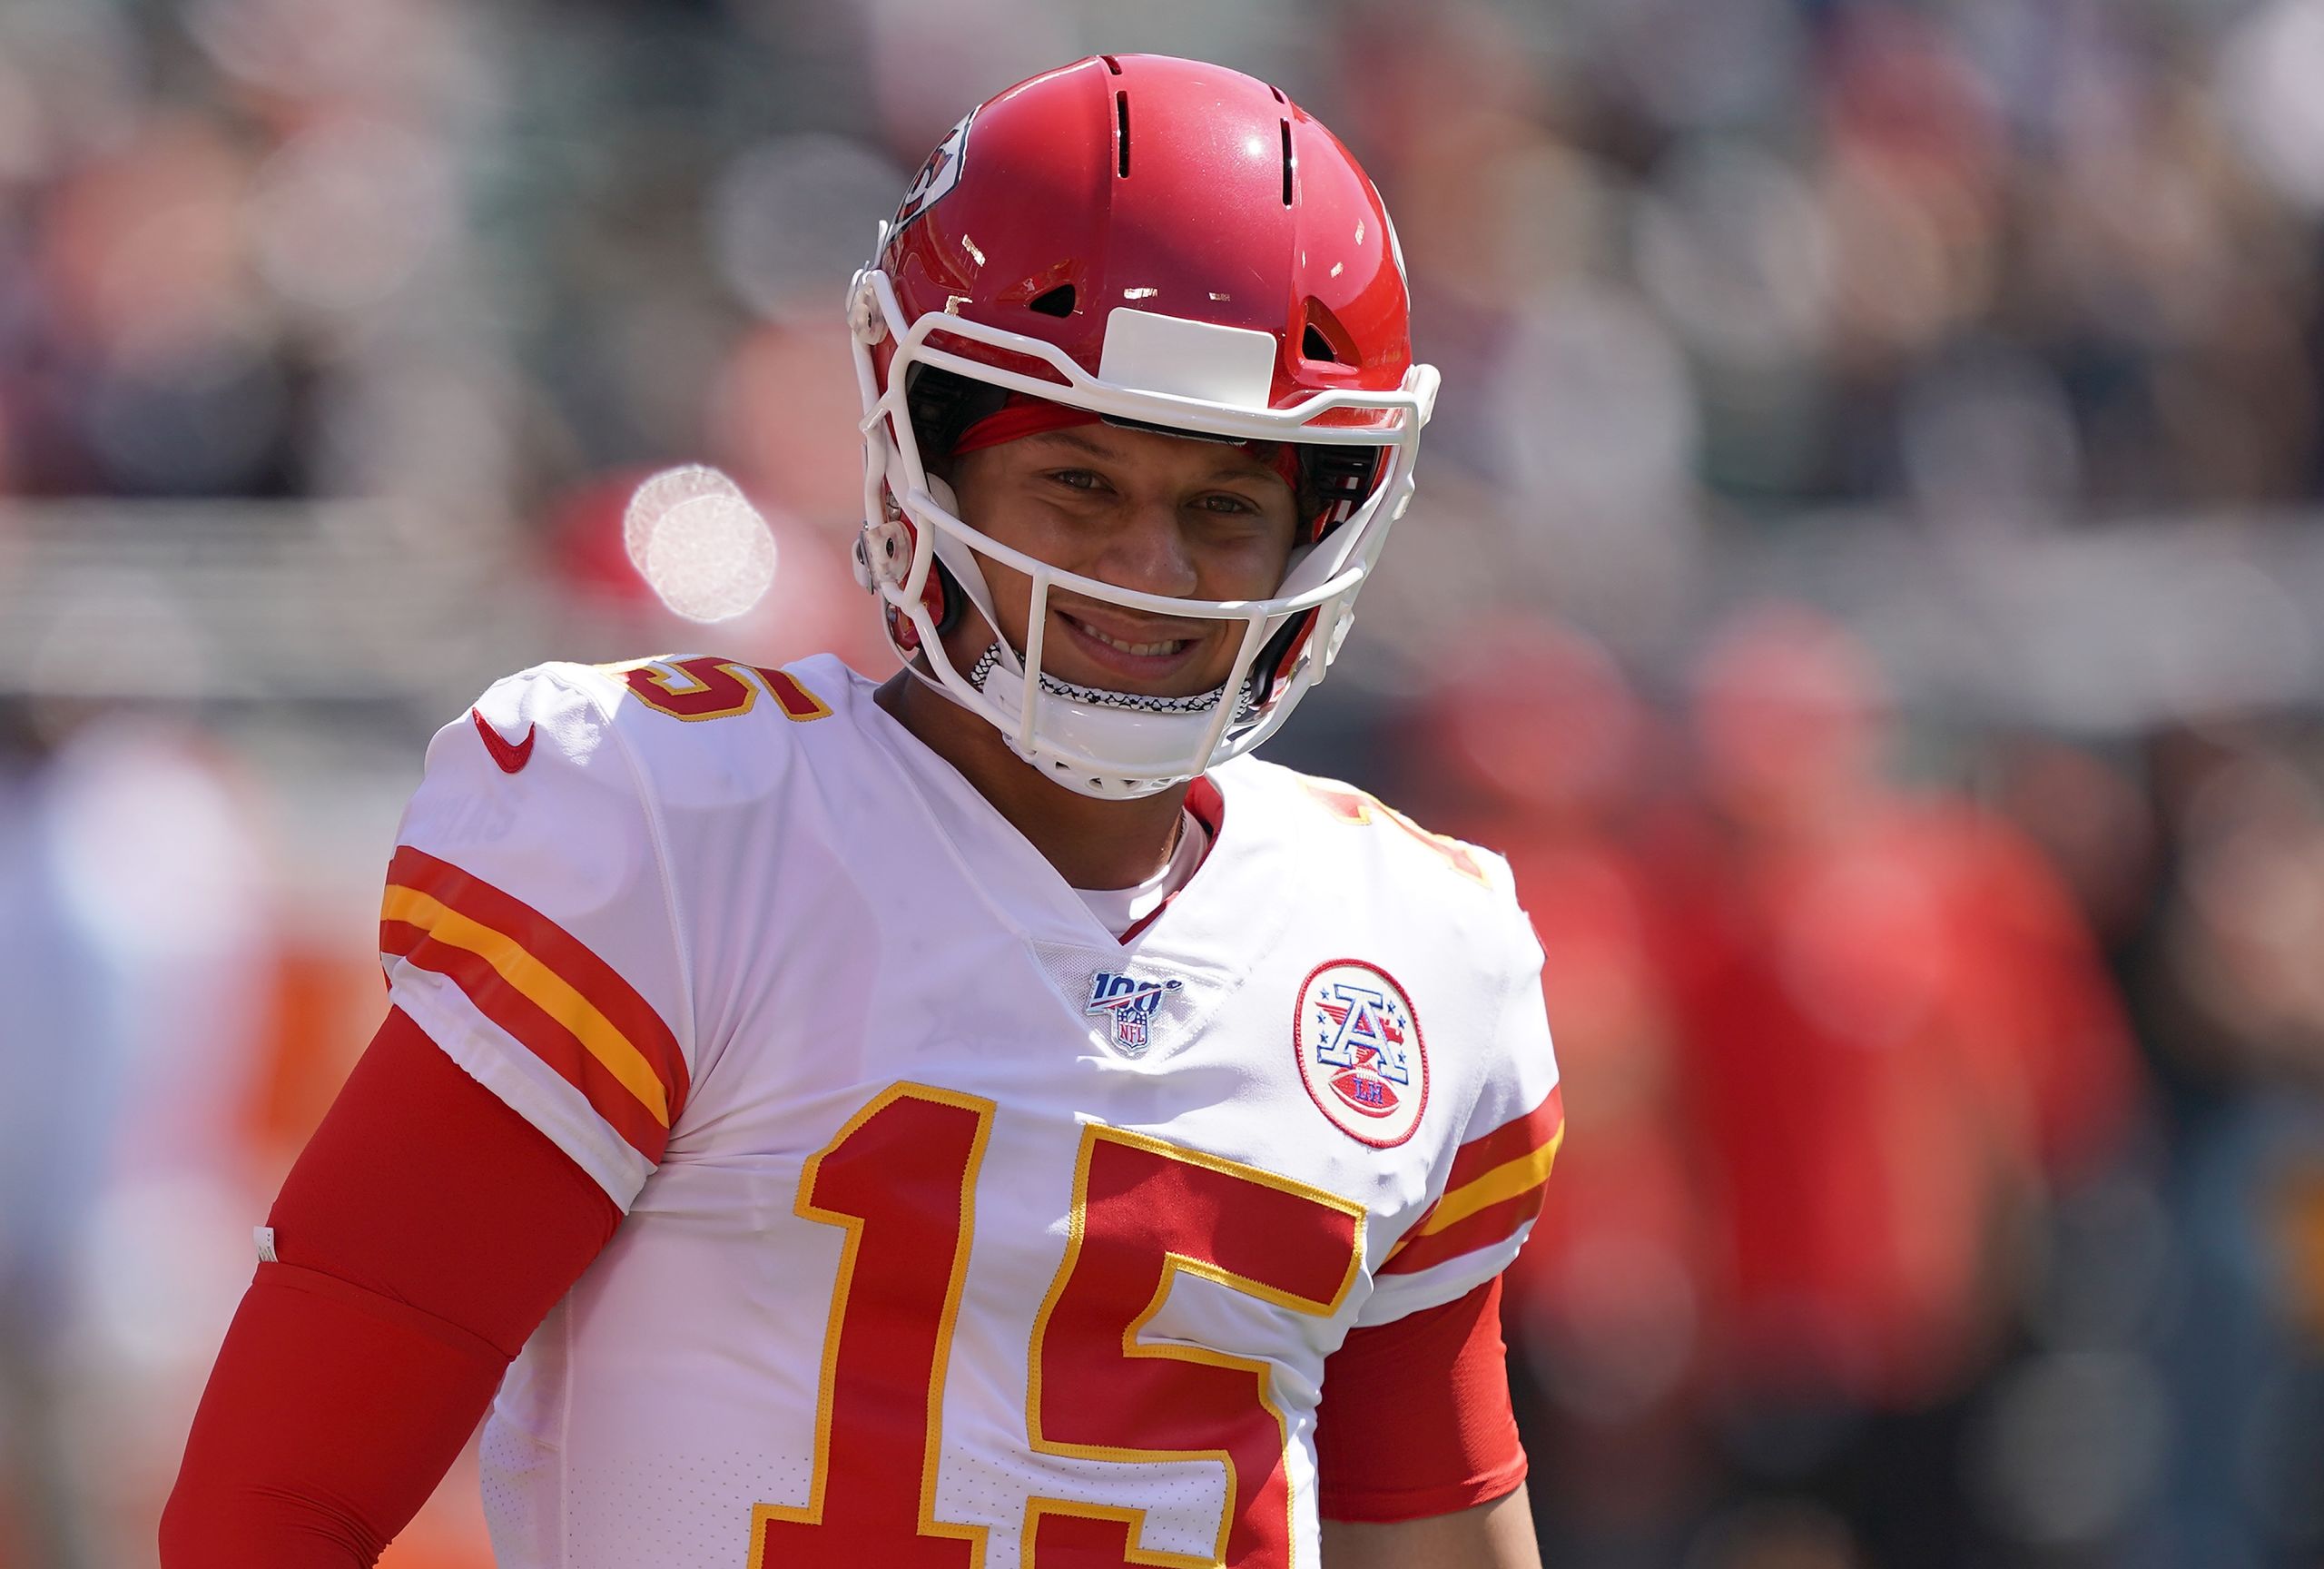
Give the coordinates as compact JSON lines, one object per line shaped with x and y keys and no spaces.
{"x":1134,"y":509}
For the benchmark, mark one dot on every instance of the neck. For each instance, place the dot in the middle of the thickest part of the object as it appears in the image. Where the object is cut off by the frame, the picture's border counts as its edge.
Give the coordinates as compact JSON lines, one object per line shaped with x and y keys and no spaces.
{"x":1092,"y":843}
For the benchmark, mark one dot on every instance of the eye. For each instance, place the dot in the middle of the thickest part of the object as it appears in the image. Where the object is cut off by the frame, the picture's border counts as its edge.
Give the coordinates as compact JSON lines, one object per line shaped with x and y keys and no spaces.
{"x":1077,"y":479}
{"x":1227,"y":504}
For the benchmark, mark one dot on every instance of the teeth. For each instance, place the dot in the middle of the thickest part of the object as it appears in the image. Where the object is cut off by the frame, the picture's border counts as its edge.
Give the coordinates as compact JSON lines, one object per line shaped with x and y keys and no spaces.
{"x":1142,"y":648}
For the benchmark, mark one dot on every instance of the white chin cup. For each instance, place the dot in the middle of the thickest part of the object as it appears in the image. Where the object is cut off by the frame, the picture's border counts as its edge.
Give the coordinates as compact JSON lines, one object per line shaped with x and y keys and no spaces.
{"x":1155,"y":749}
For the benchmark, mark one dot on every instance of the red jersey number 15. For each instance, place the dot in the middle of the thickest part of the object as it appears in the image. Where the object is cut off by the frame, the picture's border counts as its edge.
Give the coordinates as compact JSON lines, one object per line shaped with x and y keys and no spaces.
{"x":900,"y":1178}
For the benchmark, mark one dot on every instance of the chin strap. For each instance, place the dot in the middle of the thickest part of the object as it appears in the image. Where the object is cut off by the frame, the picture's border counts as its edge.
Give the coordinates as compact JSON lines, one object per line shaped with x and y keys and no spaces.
{"x":1098,"y":697}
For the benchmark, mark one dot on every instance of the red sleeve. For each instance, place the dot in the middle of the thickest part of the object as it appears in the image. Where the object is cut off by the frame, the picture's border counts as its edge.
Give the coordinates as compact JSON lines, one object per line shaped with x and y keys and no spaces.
{"x":1415,"y":1417}
{"x":424,"y":1232}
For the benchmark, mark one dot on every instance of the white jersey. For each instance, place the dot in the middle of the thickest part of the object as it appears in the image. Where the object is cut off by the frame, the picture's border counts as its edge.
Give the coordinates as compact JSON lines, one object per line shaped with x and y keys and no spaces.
{"x":958,"y":1230}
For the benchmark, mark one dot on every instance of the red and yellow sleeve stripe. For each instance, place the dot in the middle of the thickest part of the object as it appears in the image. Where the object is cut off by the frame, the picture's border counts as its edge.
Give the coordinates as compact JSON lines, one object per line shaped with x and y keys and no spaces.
{"x":544,"y":987}
{"x":1495,"y":1188}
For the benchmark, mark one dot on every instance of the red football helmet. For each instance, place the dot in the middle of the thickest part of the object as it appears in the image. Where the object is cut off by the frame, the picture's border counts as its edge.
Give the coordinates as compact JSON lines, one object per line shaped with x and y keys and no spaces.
{"x":1169,"y":245}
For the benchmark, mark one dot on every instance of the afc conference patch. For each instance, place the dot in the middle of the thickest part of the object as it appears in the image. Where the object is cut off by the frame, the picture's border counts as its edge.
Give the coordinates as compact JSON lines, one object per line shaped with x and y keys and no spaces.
{"x":1360,"y":1052}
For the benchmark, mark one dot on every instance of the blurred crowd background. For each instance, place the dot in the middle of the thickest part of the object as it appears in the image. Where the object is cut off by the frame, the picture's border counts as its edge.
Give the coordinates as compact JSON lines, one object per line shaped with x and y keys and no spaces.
{"x":1868,"y":574}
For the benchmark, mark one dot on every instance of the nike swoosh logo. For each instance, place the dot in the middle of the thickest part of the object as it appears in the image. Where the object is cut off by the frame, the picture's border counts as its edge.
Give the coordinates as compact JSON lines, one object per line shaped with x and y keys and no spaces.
{"x":511,"y":756}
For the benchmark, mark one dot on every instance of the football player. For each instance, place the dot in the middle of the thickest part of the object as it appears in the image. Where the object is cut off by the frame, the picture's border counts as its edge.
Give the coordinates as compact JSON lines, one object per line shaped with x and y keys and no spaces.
{"x":984,"y":1118}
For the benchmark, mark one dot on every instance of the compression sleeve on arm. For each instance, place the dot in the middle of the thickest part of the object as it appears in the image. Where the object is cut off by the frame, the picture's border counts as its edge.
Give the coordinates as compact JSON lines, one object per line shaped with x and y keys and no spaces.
{"x":1415,"y":1418}
{"x":422,"y":1235}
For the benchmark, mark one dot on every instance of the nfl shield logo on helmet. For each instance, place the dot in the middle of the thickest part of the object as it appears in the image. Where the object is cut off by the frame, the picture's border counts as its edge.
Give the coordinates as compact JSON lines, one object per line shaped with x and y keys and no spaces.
{"x":1128,"y":1003}
{"x":1360,"y":1052}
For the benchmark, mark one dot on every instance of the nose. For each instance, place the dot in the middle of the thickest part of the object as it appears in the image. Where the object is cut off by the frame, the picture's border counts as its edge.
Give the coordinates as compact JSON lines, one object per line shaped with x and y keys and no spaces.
{"x":1149,"y":550}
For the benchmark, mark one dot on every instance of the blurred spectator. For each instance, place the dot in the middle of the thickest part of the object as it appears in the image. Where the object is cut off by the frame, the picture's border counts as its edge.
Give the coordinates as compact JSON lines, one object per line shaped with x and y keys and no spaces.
{"x":1536,"y":746}
{"x":1897,"y":1040}
{"x":1832,"y":1050}
{"x":2235,"y":995}
{"x":135,"y":906}
{"x":1892,"y":1007}
{"x":61,"y":1065}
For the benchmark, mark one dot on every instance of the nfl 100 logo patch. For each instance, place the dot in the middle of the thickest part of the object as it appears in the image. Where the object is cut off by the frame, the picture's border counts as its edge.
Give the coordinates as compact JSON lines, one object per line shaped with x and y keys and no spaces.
{"x":1360,"y":1052}
{"x":1129,"y":1004}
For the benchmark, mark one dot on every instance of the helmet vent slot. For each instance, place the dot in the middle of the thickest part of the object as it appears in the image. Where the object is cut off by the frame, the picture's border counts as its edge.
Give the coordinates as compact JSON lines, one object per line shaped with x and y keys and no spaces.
{"x":1288,"y":163}
{"x":1325,"y":341}
{"x":1121,"y":129}
{"x":1057,"y":301}
{"x":1115,"y":66}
